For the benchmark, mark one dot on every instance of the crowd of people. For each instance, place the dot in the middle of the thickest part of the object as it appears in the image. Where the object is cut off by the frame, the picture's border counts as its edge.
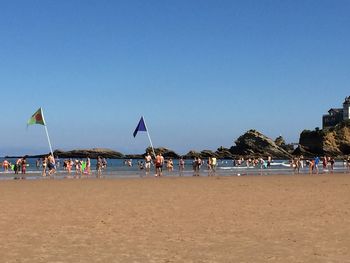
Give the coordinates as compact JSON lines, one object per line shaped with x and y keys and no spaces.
{"x":49,"y":165}
{"x":313,"y":164}
{"x":82,"y":167}
{"x":159,"y":163}
{"x":296,"y":164}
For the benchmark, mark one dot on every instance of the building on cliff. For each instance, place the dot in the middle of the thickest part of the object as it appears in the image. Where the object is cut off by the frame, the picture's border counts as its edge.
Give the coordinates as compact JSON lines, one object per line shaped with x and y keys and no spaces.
{"x":336,"y":116}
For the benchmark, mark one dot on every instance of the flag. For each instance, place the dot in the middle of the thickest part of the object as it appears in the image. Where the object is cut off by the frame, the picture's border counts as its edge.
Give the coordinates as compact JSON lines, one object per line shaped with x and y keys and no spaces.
{"x":140,"y":127}
{"x":37,"y":118}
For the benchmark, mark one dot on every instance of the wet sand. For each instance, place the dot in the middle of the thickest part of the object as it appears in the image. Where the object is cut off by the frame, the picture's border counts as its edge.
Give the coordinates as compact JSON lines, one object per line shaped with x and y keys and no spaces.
{"x":218,"y":219}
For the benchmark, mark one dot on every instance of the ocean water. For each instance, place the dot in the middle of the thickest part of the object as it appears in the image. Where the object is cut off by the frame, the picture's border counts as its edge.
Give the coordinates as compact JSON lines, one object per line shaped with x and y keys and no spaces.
{"x":116,"y":168}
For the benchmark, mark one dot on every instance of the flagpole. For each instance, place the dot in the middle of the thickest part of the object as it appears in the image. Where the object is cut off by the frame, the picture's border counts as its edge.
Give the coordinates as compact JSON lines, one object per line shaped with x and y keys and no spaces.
{"x":47,"y":133}
{"x":149,"y":138}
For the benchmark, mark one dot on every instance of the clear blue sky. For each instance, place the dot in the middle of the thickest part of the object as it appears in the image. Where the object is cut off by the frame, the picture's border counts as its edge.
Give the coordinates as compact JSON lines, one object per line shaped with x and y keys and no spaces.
{"x":201,"y":72}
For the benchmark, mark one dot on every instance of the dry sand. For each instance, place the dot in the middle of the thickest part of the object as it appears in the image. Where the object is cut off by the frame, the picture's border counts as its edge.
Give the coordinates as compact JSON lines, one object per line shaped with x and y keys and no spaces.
{"x":219,"y":219}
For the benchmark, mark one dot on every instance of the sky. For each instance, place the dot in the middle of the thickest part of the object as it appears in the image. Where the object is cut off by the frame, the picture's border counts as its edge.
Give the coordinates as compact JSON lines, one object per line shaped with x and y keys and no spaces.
{"x":200,"y":72}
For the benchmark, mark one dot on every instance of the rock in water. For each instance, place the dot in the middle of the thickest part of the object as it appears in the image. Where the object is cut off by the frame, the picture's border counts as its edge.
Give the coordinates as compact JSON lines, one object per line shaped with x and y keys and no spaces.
{"x":92,"y":153}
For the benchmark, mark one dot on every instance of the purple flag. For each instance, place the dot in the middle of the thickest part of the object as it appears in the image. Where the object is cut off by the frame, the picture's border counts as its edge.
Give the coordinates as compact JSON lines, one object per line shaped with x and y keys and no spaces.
{"x":140,"y":127}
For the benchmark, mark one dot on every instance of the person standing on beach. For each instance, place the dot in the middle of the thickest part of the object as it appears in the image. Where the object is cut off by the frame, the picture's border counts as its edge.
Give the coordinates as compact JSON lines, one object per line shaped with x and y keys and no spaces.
{"x":316,"y":162}
{"x":311,"y":166}
{"x":18,"y":165}
{"x":148,"y":160}
{"x":209,"y":166}
{"x":88,"y":166}
{"x":213,"y":164}
{"x":24,"y":165}
{"x":37,"y":163}
{"x":51,"y":165}
{"x":44,"y":163}
{"x":78,"y":166}
{"x":196,"y":166}
{"x":57,"y":162}
{"x":99,"y":167}
{"x":69,"y":166}
{"x":181,"y":166}
{"x":324,"y":163}
{"x":6,"y":165}
{"x":170,"y":165}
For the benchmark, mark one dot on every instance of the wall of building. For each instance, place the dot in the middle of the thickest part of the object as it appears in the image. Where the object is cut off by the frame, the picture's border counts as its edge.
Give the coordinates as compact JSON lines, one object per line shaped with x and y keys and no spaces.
{"x":331,"y":120}
{"x":346,"y":112}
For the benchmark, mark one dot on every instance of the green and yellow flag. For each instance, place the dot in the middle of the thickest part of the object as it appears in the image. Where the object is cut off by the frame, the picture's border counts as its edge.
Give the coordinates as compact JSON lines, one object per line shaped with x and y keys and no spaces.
{"x":37,"y":118}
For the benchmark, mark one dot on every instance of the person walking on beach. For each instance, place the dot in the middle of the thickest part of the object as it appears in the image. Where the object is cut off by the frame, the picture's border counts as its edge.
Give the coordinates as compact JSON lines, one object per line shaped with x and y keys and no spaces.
{"x":311,"y":166}
{"x":316,"y":162}
{"x":159,"y":164}
{"x":51,"y":165}
{"x":297,"y":165}
{"x":269,"y":160}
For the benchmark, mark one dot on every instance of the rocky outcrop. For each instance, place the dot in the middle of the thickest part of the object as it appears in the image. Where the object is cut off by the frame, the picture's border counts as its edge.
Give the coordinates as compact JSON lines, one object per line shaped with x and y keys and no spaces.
{"x":255,"y":144}
{"x":192,"y":154}
{"x":164,"y":151}
{"x":224,"y":153}
{"x":92,"y":153}
{"x":332,"y":141}
{"x":282,"y":143}
{"x":221,"y":153}
{"x":300,"y":151}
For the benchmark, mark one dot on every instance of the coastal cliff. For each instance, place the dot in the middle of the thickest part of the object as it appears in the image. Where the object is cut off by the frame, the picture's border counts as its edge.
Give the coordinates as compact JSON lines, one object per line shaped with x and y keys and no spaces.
{"x":333,"y":141}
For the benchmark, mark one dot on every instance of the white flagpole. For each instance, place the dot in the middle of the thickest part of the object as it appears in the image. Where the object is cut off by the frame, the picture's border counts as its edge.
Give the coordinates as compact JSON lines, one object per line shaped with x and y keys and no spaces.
{"x":149,"y":137}
{"x":47,"y":133}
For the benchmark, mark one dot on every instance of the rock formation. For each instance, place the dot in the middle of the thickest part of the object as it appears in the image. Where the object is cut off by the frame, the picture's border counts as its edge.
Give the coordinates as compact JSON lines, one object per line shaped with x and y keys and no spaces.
{"x":333,"y":141}
{"x":255,"y":144}
{"x":281,"y":143}
{"x":164,"y":151}
{"x":92,"y":153}
{"x":224,"y":153}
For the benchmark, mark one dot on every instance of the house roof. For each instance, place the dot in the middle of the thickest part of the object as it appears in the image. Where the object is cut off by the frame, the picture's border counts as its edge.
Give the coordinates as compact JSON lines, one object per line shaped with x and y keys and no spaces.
{"x":333,"y":110}
{"x":347,"y":100}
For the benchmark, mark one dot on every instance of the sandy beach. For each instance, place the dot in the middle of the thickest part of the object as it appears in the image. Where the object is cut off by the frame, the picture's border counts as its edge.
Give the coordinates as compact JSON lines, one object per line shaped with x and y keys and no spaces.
{"x":217,"y":219}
